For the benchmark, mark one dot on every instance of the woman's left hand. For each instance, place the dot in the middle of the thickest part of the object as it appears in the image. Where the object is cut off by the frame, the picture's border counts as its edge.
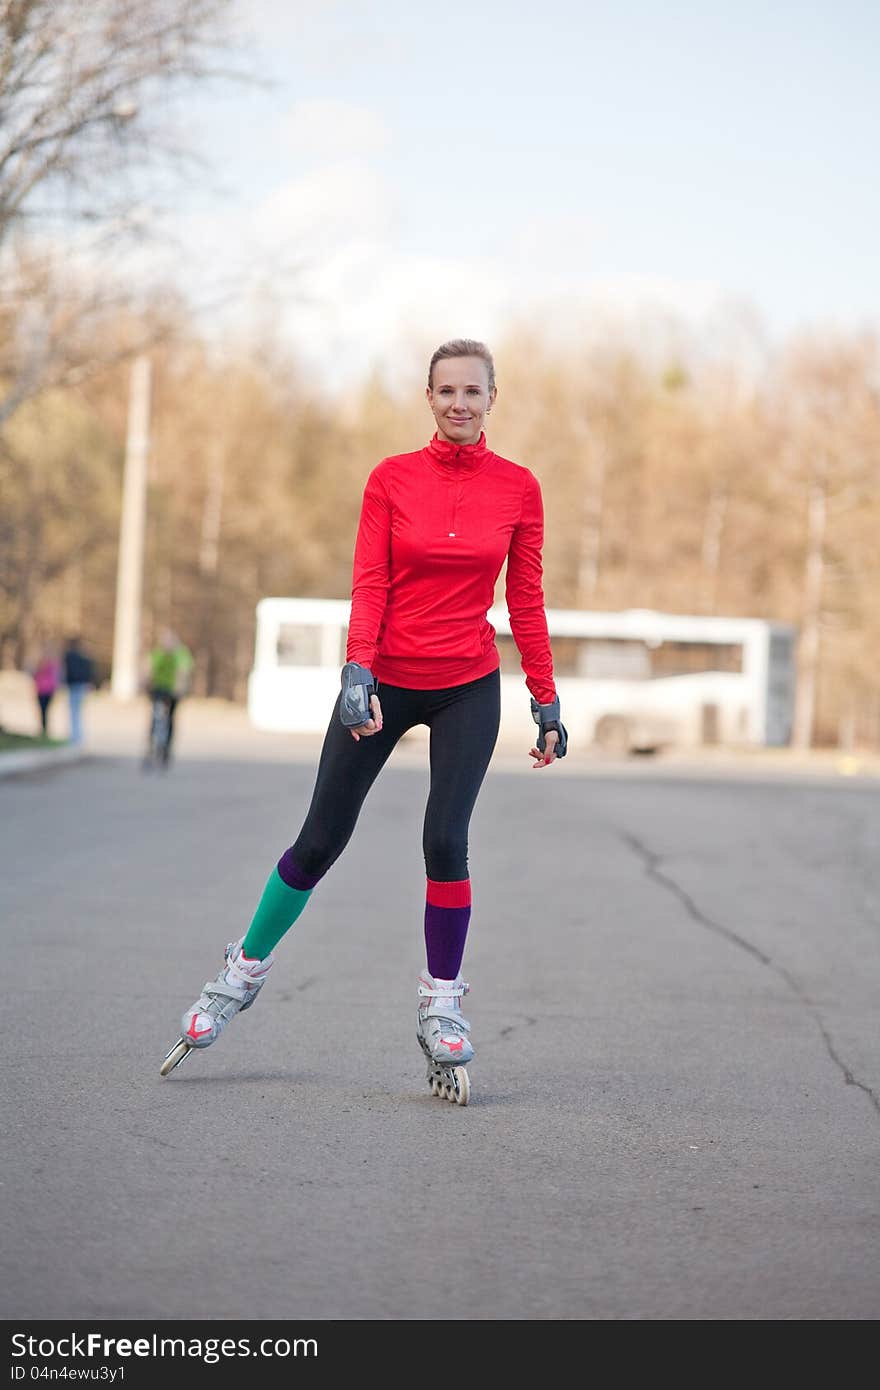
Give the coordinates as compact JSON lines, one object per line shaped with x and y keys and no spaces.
{"x":549,"y":755}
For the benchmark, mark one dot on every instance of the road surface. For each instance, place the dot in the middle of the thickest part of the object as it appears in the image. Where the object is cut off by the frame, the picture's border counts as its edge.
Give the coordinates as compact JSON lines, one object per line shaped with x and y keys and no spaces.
{"x":675,"y":1108}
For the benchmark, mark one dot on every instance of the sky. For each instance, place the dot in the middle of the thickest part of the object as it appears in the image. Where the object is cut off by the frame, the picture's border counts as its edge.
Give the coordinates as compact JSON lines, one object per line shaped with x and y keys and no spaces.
{"x":413,"y":172}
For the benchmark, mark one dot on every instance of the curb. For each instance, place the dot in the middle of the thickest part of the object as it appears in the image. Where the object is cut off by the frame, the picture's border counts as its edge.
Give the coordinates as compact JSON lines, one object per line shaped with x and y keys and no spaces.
{"x":31,"y":760}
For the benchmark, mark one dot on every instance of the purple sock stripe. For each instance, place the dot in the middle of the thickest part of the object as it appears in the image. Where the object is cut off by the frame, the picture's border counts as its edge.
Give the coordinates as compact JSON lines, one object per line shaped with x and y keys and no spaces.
{"x":294,"y":877}
{"x":445,"y":934}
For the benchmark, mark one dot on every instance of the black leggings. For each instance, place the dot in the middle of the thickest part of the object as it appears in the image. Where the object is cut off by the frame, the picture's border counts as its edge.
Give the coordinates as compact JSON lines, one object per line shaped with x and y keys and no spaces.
{"x":463,"y":720}
{"x":171,"y":702}
{"x":44,"y":702}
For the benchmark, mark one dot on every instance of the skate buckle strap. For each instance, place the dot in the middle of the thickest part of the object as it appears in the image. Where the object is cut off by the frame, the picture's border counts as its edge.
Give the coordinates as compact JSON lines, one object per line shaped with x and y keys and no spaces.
{"x":216,"y":987}
{"x":235,"y":969}
{"x":455,"y":993}
{"x":457,"y":1022}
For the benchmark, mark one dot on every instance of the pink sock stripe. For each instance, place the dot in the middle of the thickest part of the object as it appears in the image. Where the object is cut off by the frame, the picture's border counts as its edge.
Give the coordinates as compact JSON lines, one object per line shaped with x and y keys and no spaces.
{"x":456,"y":894}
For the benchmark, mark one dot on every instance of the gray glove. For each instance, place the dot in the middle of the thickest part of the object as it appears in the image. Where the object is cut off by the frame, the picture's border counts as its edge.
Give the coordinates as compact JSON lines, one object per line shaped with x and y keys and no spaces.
{"x":547,"y":717}
{"x":357,"y":687}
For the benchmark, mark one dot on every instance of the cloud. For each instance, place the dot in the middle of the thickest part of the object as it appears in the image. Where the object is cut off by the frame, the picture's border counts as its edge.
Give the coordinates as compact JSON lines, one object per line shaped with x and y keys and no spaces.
{"x":369,"y":306}
{"x":321,"y":256}
{"x":562,"y":242}
{"x":331,"y":130}
{"x":633,"y":295}
{"x":335,"y":205}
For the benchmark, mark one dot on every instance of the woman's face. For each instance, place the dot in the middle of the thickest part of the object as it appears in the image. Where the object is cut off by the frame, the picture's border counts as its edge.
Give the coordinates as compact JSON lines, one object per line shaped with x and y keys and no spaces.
{"x":460,"y":398}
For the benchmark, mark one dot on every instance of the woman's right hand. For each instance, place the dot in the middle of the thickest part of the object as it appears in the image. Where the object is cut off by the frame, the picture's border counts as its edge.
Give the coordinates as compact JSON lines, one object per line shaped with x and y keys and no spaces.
{"x":372,"y":726}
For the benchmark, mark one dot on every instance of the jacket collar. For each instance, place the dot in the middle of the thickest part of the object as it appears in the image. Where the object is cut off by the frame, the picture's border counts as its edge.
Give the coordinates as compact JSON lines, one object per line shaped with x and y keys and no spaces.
{"x":458,"y":458}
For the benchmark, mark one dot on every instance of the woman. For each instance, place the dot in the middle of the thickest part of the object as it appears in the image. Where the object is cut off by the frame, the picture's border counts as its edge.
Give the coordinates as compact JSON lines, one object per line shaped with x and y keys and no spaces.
{"x":435,"y":528}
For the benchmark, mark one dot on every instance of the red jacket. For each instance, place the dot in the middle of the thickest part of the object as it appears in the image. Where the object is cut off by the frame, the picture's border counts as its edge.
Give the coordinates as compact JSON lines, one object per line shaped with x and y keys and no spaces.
{"x":436,"y":526}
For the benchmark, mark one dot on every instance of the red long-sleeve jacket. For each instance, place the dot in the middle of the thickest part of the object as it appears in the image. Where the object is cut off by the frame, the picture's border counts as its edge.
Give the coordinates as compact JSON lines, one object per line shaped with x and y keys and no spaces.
{"x":436,"y":526}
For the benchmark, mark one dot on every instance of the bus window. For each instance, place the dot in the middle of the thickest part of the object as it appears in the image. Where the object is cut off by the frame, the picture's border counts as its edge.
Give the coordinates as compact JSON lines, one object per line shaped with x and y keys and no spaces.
{"x":298,"y":644}
{"x":781,"y":686}
{"x":690,"y":658}
{"x":566,"y":655}
{"x":614,"y":660}
{"x":507,"y":653}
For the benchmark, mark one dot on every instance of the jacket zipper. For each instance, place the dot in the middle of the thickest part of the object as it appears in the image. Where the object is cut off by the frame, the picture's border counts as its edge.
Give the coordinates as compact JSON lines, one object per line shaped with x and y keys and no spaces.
{"x":456,"y":497}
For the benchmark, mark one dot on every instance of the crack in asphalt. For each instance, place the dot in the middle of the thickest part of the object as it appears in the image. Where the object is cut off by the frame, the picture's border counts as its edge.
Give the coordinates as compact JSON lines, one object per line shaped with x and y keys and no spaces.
{"x":652,"y":863}
{"x":512,"y":1027}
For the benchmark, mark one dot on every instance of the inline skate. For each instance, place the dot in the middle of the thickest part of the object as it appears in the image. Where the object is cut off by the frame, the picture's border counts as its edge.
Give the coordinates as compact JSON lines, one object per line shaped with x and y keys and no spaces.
{"x":234,"y":990}
{"x":443,"y":1035}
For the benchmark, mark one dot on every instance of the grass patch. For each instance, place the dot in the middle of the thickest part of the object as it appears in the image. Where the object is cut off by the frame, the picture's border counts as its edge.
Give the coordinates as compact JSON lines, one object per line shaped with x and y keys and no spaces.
{"x":10,"y":742}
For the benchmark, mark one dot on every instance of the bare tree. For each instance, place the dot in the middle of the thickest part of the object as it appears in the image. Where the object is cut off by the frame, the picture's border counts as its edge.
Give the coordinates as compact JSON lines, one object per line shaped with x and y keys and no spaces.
{"x":54,"y":328}
{"x":79,"y":88}
{"x":833,"y":408}
{"x":82,"y":86}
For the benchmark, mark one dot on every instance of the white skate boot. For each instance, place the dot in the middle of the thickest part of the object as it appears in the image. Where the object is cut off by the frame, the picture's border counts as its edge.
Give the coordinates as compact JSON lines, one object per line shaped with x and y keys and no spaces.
{"x":443,"y":1034}
{"x":234,"y":990}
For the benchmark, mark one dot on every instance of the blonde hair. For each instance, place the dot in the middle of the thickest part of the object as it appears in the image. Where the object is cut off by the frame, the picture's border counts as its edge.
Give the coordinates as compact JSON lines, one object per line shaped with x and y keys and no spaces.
{"x":462,"y":347}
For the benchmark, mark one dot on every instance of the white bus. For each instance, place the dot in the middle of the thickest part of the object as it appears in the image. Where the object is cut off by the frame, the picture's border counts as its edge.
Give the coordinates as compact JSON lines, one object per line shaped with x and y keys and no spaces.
{"x":633,"y":681}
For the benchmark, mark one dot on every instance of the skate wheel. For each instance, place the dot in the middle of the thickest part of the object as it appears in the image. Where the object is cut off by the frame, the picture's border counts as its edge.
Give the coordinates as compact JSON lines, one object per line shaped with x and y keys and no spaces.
{"x":434,"y":1083}
{"x":175,"y":1056}
{"x":460,"y":1091}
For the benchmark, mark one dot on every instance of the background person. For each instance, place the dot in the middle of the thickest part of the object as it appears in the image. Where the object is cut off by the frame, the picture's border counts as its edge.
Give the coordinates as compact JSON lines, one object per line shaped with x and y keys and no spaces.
{"x":79,"y":677}
{"x":169,"y":675}
{"x":46,"y":677}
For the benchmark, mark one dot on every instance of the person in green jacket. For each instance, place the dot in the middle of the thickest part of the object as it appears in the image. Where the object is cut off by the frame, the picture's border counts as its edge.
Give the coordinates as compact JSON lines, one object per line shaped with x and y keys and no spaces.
{"x":169,"y":676}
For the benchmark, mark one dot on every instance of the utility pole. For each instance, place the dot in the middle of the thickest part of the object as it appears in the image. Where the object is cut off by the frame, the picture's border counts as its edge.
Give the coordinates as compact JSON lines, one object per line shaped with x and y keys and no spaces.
{"x":811,"y":624}
{"x":130,"y":567}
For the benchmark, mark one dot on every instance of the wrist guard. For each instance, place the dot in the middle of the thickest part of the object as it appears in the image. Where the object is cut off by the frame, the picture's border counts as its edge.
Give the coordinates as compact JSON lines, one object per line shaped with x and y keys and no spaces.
{"x":357,"y":687}
{"x":547,"y":717}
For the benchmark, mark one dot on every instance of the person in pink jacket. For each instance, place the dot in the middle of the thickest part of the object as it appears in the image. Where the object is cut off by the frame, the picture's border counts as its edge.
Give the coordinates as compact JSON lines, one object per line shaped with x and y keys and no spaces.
{"x":46,"y":677}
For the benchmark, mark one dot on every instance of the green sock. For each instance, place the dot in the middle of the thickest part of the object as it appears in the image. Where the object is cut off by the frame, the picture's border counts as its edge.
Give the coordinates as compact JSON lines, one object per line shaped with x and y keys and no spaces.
{"x":276,"y":913}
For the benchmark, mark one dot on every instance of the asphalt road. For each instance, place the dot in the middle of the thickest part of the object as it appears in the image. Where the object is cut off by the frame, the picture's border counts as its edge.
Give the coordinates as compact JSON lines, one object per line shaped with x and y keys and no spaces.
{"x":676,"y":1092}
